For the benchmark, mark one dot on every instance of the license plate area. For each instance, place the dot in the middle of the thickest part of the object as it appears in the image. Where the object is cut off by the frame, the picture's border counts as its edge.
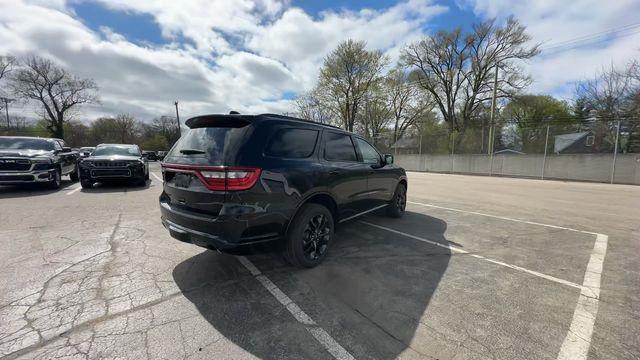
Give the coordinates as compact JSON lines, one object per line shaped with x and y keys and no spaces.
{"x":182,"y":180}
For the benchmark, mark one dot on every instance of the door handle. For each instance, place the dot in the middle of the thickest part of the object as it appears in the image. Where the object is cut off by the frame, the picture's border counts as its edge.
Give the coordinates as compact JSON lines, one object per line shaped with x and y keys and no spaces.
{"x":371,"y":172}
{"x":334,"y":172}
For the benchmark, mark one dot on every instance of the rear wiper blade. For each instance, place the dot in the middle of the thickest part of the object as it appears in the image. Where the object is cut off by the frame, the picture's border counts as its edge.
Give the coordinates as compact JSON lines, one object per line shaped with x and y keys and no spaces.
{"x":191,"y":151}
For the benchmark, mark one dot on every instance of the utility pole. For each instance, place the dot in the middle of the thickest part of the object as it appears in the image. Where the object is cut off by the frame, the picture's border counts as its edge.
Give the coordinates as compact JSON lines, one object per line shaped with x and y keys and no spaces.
{"x":6,"y":109}
{"x":177,"y":116}
{"x":493,"y":115}
{"x":615,"y":153}
{"x":493,"y":111}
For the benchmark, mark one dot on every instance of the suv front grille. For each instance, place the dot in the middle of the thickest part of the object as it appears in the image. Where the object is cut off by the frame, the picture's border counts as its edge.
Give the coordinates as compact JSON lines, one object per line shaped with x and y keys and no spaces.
{"x":110,"y":163}
{"x":110,"y":172}
{"x":15,"y":165}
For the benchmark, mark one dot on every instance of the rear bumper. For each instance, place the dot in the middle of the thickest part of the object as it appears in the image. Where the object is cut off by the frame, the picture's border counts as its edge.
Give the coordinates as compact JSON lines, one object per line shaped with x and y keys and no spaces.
{"x":223,"y":233}
{"x":27,"y":177}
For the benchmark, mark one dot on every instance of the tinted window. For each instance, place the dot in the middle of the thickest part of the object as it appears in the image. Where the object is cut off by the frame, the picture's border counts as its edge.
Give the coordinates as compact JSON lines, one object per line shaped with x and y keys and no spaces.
{"x":292,"y":143}
{"x":369,"y":153}
{"x":209,"y":145}
{"x":339,"y":147}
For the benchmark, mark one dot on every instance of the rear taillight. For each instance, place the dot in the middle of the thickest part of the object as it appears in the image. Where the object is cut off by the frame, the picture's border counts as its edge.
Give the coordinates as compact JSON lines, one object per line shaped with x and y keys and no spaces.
{"x":220,"y":178}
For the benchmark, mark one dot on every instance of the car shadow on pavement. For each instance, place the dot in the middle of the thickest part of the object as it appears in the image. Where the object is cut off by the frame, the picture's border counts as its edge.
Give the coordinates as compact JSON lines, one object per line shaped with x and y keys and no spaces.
{"x":26,"y":190}
{"x":370,"y":293}
{"x":117,"y":186}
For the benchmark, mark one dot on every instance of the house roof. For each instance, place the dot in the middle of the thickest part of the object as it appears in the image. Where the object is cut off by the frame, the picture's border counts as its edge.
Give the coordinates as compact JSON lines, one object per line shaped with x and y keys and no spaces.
{"x":508,"y":151}
{"x":565,"y":140}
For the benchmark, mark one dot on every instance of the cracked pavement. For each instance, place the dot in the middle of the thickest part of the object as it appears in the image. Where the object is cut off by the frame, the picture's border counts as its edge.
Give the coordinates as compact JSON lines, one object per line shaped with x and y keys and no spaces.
{"x":95,"y":275}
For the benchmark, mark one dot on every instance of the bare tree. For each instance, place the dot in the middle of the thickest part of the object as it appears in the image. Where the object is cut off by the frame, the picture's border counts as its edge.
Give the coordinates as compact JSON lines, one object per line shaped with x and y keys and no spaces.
{"x":375,"y":115}
{"x":7,"y":63}
{"x":126,"y":127}
{"x":345,"y":78}
{"x":458,"y":69}
{"x":310,"y":107}
{"x":56,"y":89}
{"x":407,"y":103}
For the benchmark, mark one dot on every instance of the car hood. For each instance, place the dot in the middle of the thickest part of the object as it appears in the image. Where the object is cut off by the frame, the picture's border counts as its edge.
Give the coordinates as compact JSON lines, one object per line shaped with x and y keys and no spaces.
{"x":112,"y":158}
{"x":24,"y":153}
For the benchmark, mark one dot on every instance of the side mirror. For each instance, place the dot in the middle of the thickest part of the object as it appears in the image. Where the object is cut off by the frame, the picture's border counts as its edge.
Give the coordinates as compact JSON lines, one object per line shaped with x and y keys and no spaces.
{"x":145,"y":156}
{"x":388,"y":159}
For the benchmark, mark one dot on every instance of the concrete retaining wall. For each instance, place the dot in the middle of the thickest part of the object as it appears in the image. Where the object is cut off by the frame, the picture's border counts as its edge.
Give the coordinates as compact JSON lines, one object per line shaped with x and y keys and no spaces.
{"x":581,"y":167}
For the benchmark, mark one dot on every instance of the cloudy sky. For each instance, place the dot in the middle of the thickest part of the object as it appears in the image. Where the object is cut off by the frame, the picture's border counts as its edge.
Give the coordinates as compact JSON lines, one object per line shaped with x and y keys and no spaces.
{"x":255,"y":56}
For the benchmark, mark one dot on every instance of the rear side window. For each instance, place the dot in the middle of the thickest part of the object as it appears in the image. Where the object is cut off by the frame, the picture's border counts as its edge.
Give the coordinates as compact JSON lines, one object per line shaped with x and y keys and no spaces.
{"x":339,"y":147}
{"x":292,"y":143}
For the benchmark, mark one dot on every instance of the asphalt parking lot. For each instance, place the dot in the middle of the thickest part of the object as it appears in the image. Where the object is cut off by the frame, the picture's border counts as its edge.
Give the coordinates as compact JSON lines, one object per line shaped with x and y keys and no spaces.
{"x":479,"y":267}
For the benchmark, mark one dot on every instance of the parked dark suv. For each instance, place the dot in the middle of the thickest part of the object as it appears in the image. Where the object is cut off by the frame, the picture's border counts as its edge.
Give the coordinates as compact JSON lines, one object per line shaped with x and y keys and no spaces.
{"x":234,"y":182}
{"x":33,"y":160}
{"x":114,"y":162}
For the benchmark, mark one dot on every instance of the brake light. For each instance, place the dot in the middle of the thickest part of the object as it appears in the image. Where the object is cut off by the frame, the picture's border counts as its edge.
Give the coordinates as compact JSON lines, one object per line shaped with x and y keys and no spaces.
{"x":220,"y":178}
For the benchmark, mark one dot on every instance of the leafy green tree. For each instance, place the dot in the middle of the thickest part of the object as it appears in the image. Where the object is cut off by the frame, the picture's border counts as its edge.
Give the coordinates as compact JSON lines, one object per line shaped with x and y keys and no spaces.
{"x":347,"y":75}
{"x":157,"y":143}
{"x":530,"y":114}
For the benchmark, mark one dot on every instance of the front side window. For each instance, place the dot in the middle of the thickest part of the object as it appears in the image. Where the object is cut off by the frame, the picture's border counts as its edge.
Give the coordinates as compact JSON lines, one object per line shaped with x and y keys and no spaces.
{"x":292,"y":143}
{"x":369,"y":154}
{"x":339,"y":147}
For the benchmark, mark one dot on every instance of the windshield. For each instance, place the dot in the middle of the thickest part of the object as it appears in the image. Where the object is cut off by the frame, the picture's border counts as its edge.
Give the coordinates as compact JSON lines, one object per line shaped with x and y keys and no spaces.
{"x":25,"y":144}
{"x":124,"y":150}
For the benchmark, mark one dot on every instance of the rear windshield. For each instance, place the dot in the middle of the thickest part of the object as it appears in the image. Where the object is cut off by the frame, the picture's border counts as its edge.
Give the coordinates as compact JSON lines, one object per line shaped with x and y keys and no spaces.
{"x":25,"y":144}
{"x":209,"y":145}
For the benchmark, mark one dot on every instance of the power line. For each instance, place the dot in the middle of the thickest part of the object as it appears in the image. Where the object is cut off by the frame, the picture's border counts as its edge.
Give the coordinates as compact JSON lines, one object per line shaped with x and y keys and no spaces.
{"x":570,"y":43}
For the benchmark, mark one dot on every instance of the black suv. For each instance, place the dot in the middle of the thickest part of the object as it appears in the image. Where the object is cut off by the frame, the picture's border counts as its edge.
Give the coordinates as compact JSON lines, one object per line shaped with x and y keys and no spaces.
{"x":235,"y":181}
{"x":29,"y":160}
{"x":114,"y":162}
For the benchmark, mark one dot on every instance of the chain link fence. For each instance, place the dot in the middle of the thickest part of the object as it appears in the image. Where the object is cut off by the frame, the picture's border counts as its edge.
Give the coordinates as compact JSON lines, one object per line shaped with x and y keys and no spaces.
{"x":598,"y":151}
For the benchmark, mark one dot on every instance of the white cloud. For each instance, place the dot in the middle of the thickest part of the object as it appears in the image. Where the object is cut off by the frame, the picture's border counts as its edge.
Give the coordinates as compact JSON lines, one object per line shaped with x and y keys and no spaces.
{"x":241,"y":55}
{"x":553,"y":22}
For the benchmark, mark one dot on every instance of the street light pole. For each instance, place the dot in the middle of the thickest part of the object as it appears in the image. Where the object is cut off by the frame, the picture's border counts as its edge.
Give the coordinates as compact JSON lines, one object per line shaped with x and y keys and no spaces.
{"x":177,"y":116}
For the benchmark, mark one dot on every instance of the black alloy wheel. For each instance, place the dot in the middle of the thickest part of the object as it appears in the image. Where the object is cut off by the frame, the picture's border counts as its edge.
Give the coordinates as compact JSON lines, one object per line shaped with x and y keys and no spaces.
{"x":309,"y":236}
{"x":398,"y":203}
{"x":316,"y":237}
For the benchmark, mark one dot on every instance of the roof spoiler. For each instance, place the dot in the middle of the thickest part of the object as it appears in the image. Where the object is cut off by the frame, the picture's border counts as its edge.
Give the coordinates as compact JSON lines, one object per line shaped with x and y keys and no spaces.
{"x":218,"y":120}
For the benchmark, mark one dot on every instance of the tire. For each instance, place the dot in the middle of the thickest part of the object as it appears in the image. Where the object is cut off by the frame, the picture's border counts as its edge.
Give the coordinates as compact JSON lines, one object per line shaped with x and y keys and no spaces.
{"x":396,"y":206}
{"x":55,"y":183}
{"x":309,"y":236}
{"x":86,"y":183}
{"x":75,"y":175}
{"x":141,"y":182}
{"x":146,"y":176}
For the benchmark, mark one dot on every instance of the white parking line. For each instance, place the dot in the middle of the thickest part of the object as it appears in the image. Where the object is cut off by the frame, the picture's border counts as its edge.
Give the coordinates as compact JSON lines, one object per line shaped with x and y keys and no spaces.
{"x":578,"y":340}
{"x":502,"y":217}
{"x":461,"y":251}
{"x":329,"y":343}
{"x":74,"y":190}
{"x":157,"y":177}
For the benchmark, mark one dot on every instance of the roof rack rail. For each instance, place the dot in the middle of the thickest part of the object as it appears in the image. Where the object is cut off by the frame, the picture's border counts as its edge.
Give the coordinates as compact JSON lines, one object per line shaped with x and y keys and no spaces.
{"x":299,"y":119}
